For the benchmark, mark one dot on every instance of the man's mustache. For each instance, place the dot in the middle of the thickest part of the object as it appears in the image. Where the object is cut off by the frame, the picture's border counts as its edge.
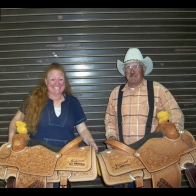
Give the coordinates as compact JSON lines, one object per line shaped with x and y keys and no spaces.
{"x":132,"y":75}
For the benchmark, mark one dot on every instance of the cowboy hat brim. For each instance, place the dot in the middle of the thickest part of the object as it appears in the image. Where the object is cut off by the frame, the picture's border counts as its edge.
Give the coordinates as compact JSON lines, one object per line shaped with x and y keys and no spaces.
{"x":146,"y":61}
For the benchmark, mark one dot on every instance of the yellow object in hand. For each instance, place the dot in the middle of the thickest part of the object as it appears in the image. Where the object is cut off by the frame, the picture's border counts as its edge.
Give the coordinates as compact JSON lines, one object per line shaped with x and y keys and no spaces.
{"x":20,"y":124}
{"x":21,"y":127}
{"x":163,"y":116}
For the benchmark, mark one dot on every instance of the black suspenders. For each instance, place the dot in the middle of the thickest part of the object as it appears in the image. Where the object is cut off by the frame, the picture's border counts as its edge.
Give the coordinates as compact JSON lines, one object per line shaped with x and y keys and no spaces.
{"x":151,"y":108}
{"x":120,"y":94}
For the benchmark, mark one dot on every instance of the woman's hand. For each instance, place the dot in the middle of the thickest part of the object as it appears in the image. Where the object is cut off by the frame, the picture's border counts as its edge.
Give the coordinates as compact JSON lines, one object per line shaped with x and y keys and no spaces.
{"x":85,"y":133}
{"x":93,"y":144}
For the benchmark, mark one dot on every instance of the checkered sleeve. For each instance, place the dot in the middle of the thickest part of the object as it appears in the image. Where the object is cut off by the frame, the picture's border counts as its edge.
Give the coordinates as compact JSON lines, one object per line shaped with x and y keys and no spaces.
{"x":111,"y":120}
{"x":169,"y":103}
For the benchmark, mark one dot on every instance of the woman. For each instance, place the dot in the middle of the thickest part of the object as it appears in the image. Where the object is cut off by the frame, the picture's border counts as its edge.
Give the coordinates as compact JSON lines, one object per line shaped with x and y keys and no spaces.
{"x":51,"y":111}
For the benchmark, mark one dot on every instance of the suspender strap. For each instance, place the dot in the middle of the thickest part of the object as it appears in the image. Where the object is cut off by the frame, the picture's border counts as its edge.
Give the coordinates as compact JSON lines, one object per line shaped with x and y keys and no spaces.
{"x":120,"y":94}
{"x":151,"y":106}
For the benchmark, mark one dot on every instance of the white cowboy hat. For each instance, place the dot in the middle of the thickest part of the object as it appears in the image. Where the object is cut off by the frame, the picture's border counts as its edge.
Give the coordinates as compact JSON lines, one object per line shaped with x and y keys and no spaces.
{"x":134,"y":55}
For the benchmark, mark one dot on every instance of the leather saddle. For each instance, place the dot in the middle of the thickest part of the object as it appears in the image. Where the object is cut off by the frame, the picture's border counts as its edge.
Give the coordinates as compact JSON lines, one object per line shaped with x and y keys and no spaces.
{"x":36,"y":166}
{"x":159,"y":160}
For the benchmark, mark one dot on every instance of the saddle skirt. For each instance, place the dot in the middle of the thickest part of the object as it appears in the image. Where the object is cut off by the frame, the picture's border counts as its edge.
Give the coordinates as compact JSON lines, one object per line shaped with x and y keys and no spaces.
{"x":34,"y":167}
{"x":158,"y":159}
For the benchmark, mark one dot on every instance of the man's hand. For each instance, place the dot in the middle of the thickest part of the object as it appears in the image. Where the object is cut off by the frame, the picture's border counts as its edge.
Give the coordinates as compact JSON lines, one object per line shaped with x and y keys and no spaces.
{"x":110,"y":138}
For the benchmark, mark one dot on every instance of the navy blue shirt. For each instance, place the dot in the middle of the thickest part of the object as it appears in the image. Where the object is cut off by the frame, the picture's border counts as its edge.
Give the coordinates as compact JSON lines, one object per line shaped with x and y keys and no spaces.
{"x":58,"y":131}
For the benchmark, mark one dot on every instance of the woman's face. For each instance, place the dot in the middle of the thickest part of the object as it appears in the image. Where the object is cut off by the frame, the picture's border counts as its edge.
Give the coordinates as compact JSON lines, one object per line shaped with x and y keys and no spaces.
{"x":55,"y":83}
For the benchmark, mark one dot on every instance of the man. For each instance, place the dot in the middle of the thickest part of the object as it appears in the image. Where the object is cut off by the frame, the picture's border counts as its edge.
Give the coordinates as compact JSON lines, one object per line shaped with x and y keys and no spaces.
{"x":135,"y":104}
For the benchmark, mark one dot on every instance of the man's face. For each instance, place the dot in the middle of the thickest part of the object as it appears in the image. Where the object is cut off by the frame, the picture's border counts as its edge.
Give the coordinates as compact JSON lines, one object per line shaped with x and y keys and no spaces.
{"x":134,"y":73}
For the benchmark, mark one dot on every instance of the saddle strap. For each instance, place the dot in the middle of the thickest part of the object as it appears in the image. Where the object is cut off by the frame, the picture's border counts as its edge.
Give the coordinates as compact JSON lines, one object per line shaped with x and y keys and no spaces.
{"x":11,"y":182}
{"x":190,"y":172}
{"x":64,"y":182}
{"x":139,"y":182}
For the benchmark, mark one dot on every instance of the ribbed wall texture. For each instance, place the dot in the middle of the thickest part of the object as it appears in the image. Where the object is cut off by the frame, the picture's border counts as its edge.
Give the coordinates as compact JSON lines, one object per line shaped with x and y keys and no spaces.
{"x":88,"y":41}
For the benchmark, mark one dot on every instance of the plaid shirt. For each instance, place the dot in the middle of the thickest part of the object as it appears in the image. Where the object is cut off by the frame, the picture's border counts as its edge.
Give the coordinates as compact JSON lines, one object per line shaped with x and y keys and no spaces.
{"x":135,"y":111}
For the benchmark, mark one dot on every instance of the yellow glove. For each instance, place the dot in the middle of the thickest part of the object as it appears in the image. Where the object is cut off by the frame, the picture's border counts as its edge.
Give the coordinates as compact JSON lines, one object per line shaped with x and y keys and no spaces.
{"x":21,"y":127}
{"x":163,"y":116}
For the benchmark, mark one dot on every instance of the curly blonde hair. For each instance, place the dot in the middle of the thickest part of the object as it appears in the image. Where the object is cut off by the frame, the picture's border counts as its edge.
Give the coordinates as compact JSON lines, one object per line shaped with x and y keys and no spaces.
{"x":36,"y":100}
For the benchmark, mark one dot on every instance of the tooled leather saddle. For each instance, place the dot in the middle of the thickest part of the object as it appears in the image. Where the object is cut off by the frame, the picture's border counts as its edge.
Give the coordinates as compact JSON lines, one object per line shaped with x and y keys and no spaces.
{"x":36,"y":166}
{"x":158,"y":159}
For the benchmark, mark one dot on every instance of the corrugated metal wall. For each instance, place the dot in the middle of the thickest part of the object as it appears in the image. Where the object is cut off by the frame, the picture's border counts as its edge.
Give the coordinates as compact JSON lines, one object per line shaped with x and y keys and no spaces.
{"x":88,"y":41}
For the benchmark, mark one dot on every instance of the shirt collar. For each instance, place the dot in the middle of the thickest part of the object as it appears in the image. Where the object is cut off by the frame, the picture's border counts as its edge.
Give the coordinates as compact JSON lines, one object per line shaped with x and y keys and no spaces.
{"x":142,"y":85}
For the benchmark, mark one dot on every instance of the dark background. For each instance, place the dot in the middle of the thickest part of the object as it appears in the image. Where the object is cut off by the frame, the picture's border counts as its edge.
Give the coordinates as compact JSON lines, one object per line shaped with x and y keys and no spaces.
{"x":88,"y":41}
